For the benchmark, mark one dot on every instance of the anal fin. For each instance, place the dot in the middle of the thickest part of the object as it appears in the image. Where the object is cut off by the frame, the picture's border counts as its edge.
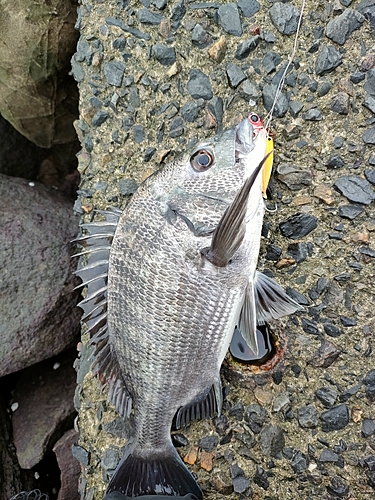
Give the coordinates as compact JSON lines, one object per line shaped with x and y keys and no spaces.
{"x":203,"y":406}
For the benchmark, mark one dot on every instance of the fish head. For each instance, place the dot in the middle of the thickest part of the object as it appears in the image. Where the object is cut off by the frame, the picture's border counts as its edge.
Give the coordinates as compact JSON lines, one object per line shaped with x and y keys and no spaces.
{"x":201,"y":184}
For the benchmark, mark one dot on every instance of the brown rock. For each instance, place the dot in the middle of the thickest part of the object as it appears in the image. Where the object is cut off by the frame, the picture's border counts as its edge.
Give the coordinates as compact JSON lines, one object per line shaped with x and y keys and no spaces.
{"x":165,"y":28}
{"x":367,"y":63}
{"x":325,"y":355}
{"x":44,"y":394}
{"x":36,"y":94}
{"x":221,"y":483}
{"x":286,"y":262}
{"x":324,"y":193}
{"x":209,"y":120}
{"x":356,"y":414}
{"x":39,"y":317}
{"x":191,"y":456}
{"x":174,"y":69}
{"x":347,"y":86}
{"x":303,"y":199}
{"x":218,"y":49}
{"x":68,"y":465}
{"x":207,"y":460}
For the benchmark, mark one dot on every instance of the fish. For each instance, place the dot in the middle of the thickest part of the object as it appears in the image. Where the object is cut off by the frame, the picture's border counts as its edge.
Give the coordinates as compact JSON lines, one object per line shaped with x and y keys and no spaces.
{"x":168,"y":280}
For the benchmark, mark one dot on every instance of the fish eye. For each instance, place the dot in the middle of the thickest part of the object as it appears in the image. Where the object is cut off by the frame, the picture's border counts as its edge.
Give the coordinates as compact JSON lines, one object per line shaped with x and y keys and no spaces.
{"x":254,"y":118}
{"x":202,"y":160}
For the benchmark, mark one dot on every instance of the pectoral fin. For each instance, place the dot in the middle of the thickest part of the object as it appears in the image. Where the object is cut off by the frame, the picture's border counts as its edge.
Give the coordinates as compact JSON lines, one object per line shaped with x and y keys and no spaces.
{"x":248,"y":320}
{"x":271,"y":300}
{"x":230,"y":231}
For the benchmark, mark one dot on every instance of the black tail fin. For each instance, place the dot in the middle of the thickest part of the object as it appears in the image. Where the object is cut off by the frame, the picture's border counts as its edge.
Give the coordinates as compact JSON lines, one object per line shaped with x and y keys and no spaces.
{"x":163,"y":474}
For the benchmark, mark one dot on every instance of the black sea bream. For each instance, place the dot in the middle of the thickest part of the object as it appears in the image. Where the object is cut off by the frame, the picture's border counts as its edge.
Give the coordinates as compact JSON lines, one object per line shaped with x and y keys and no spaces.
{"x":162,"y":308}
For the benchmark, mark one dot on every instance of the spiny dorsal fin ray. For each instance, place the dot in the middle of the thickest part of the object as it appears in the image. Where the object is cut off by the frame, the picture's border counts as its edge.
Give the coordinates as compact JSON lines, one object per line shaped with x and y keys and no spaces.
{"x":230,"y":231}
{"x":97,"y":245}
{"x":248,"y":320}
{"x":271,"y":300}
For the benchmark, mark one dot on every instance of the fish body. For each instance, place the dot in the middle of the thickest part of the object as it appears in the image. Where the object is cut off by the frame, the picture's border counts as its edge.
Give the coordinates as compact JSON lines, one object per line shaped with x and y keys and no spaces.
{"x":181,"y":276}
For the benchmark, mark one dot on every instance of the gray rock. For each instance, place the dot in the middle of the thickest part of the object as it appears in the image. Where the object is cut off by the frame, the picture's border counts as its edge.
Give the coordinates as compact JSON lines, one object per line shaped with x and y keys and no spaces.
{"x":178,"y":11}
{"x":149,"y":153}
{"x":99,"y":118}
{"x":44,"y":394}
{"x":328,"y":456}
{"x":348,"y":393}
{"x":216,"y":106}
{"x":332,"y":330}
{"x":177,"y":127}
{"x":244,"y":48}
{"x":334,"y":419}
{"x":114,"y":72}
{"x":307,"y":417}
{"x":340,"y":103}
{"x":370,"y":175}
{"x":115,"y":21}
{"x":327,"y":60}
{"x":325,"y":355}
{"x":240,"y":484}
{"x":200,"y":37}
{"x":190,"y":111}
{"x":36,"y":228}
{"x":164,"y":54}
{"x":273,"y":252}
{"x":270,"y":61}
{"x":327,"y":396}
{"x":294,"y":177}
{"x":235,"y":75}
{"x":284,"y":17}
{"x":255,"y":416}
{"x":199,"y":85}
{"x":229,"y":19}
{"x":324,"y":88}
{"x":355,"y":188}
{"x":146,"y":16}
{"x":368,"y":137}
{"x":300,"y":462}
{"x":139,"y":133}
{"x":248,"y":7}
{"x":312,"y":115}
{"x":127,"y":186}
{"x":350,"y":211}
{"x":70,"y":469}
{"x":249,"y":90}
{"x":295,"y":107}
{"x":80,"y":454}
{"x":341,"y":27}
{"x":368,"y":427}
{"x":298,"y":251}
{"x":367,"y":8}
{"x":268,"y":95}
{"x":298,"y":225}
{"x":208,"y":443}
{"x":369,"y":103}
{"x":271,"y":440}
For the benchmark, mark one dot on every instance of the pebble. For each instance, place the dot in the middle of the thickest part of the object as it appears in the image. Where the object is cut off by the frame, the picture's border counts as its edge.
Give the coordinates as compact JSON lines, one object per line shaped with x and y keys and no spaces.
{"x":294,"y":177}
{"x":164,"y":54}
{"x":273,"y":252}
{"x":255,"y":416}
{"x":199,"y":85}
{"x":298,"y":225}
{"x":229,"y":19}
{"x":348,"y":393}
{"x":284,"y":17}
{"x":300,"y":462}
{"x":355,"y":189}
{"x":99,"y":118}
{"x":350,"y":211}
{"x":327,"y":396}
{"x":146,"y":16}
{"x":307,"y":417}
{"x":368,"y":137}
{"x":335,"y":161}
{"x":272,"y":440}
{"x":127,"y":186}
{"x":370,"y":175}
{"x":327,"y":60}
{"x":190,"y":111}
{"x":178,"y":11}
{"x":338,"y":487}
{"x":369,"y":103}
{"x":336,"y":418}
{"x":340,"y":103}
{"x":248,"y":7}
{"x":260,"y":478}
{"x":176,"y":128}
{"x":295,"y":107}
{"x":235,"y":75}
{"x":298,"y":297}
{"x":313,"y":115}
{"x":341,"y":27}
{"x":208,"y":443}
{"x":368,"y":427}
{"x":270,"y":61}
{"x":114,"y":72}
{"x":218,"y":49}
{"x":369,"y":382}
{"x":248,"y":90}
{"x":325,"y":355}
{"x":82,"y":455}
{"x":281,"y":107}
{"x":200,"y":37}
{"x":244,"y":48}
{"x":370,"y":84}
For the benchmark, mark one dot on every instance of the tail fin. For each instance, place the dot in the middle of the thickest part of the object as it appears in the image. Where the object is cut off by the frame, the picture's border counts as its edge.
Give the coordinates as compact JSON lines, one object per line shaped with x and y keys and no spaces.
{"x":163,"y":474}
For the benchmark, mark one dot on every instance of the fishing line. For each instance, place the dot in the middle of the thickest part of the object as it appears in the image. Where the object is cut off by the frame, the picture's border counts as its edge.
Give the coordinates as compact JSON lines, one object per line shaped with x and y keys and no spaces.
{"x":290,"y":60}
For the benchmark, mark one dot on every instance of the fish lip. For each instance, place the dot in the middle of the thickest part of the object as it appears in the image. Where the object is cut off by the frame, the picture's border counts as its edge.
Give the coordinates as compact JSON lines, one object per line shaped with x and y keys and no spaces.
{"x":244,"y":140}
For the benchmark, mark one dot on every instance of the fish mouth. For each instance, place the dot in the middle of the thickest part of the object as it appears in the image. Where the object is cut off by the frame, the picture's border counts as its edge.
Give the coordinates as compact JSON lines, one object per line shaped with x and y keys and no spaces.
{"x":244,"y":140}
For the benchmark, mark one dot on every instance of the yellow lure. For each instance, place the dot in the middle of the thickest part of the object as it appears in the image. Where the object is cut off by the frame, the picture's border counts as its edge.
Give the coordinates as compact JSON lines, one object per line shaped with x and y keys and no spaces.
{"x":267,"y":168}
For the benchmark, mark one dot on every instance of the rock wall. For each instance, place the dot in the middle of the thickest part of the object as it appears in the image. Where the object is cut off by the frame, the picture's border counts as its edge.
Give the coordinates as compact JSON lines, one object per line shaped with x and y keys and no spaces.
{"x":156,"y":75}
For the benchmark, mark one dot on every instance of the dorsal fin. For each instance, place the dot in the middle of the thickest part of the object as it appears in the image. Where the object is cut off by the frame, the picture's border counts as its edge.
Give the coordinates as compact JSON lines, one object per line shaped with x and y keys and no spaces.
{"x":94,"y":275}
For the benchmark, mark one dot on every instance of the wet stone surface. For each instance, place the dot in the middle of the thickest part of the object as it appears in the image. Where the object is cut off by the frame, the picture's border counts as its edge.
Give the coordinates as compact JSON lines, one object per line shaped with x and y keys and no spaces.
{"x":154,"y":78}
